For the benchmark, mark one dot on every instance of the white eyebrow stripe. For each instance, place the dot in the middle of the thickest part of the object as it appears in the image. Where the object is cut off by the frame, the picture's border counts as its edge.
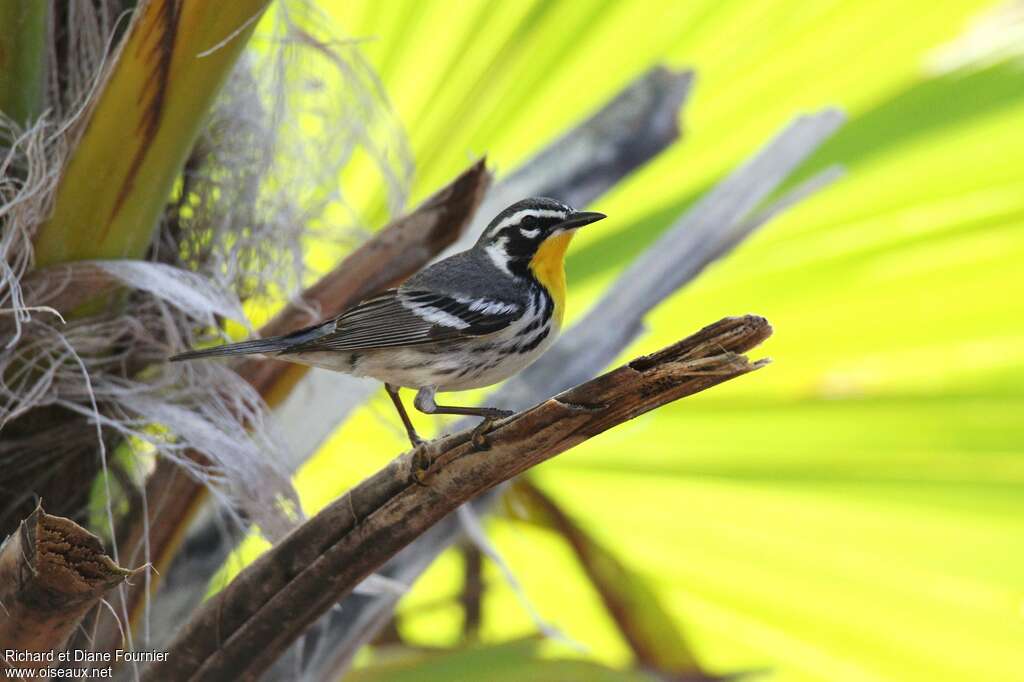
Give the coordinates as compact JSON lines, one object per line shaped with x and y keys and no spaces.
{"x":517,"y":217}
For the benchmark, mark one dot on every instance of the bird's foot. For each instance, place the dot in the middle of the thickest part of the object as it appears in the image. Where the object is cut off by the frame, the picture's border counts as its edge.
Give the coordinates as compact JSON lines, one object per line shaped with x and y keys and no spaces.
{"x":421,"y":464}
{"x":479,"y":436}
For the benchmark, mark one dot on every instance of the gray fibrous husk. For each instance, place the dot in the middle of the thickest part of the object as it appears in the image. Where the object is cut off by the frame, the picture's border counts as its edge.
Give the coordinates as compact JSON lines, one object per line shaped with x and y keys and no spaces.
{"x":265,"y":173}
{"x":262,"y":179}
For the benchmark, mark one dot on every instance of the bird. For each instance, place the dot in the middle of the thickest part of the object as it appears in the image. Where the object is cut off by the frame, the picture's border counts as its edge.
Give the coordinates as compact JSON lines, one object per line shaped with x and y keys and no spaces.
{"x":467,"y":321}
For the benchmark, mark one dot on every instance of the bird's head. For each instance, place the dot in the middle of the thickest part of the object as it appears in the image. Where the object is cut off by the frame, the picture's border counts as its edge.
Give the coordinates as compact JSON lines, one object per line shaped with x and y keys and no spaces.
{"x":532,"y":233}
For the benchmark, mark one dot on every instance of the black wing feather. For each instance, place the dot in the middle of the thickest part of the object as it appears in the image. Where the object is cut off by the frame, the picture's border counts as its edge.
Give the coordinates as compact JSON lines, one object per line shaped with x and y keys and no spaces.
{"x":391,"y":319}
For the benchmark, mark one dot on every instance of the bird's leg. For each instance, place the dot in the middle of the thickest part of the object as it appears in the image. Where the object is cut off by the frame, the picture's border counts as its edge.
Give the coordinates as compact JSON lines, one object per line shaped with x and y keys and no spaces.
{"x":420,"y":459}
{"x":425,"y":403}
{"x":414,"y":437}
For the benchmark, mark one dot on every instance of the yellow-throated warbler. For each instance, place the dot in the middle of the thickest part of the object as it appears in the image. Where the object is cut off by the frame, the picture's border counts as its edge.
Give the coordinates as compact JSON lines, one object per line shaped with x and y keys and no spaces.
{"x":468,"y":321}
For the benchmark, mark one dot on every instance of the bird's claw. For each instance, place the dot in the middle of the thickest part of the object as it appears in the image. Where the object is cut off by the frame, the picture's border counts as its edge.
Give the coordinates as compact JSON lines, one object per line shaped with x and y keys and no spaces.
{"x":479,"y":435}
{"x":421,"y":464}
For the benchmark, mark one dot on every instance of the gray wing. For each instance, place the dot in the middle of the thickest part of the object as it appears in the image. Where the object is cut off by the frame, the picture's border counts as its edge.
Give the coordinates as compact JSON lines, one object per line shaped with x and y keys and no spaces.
{"x":400,"y":317}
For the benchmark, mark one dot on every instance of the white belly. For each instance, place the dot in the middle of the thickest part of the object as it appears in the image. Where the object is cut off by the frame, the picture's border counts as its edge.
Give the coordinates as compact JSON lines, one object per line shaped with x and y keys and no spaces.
{"x":487,"y":372}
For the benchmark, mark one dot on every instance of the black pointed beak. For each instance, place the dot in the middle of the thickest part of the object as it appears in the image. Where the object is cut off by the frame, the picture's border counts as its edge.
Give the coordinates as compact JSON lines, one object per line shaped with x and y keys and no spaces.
{"x":579,"y":219}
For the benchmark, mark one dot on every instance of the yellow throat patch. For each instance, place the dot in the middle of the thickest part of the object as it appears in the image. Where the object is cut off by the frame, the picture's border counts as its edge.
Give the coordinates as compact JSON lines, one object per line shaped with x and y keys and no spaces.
{"x":548,"y":266}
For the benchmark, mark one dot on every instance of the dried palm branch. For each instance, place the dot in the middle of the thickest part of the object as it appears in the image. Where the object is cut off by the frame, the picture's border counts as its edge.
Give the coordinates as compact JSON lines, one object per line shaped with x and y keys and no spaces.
{"x":239,"y":632}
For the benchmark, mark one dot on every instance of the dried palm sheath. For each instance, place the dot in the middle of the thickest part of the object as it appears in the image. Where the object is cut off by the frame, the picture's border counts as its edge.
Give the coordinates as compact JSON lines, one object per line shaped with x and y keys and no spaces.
{"x":52,"y":571}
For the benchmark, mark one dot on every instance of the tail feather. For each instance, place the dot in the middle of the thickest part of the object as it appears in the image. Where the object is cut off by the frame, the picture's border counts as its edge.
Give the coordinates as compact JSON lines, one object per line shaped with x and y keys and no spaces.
{"x":255,"y":346}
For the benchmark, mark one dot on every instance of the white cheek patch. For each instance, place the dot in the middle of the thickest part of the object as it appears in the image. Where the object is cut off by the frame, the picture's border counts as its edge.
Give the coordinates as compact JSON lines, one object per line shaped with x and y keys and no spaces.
{"x":530,"y":234}
{"x":498,"y":255}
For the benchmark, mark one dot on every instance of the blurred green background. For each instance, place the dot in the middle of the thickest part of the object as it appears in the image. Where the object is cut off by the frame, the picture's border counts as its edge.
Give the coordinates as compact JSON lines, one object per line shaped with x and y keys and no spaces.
{"x":854,"y":512}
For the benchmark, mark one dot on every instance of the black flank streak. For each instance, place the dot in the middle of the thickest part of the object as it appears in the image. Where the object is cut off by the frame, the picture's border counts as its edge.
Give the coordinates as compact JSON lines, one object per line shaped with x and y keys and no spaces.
{"x":533,"y":342}
{"x":533,"y":326}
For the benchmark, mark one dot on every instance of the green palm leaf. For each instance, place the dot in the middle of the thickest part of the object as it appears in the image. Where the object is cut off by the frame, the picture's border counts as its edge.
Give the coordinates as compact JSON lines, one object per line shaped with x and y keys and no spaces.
{"x":856,"y":513}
